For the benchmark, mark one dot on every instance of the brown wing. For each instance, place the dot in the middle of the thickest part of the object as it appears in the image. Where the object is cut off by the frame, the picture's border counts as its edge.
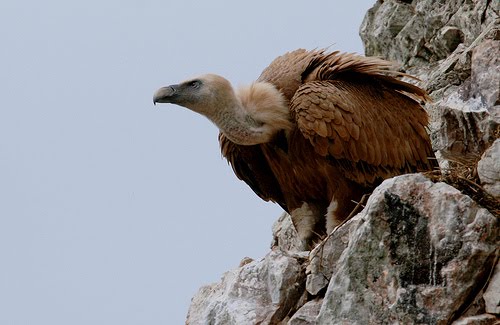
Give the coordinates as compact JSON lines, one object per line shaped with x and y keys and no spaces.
{"x":364,"y":125}
{"x":289,"y":71}
{"x":250,"y":166}
{"x":285,"y":72}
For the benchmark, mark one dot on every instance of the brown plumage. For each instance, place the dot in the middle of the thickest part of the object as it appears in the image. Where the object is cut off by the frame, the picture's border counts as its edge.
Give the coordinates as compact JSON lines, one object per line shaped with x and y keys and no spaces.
{"x":315,"y":132}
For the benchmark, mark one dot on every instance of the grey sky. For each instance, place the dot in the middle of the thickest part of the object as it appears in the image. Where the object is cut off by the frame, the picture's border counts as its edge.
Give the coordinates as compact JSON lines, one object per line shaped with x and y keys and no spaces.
{"x":113,"y":211}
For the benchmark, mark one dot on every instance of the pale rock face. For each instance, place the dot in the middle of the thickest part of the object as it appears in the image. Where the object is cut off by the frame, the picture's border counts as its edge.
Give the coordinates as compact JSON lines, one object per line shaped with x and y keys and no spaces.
{"x":285,"y":237}
{"x":420,"y":252}
{"x":491,"y":294}
{"x":307,"y":314}
{"x":323,"y":259}
{"x":410,"y":32}
{"x":260,"y":292}
{"x":452,"y":46}
{"x":466,"y":119}
{"x":488,"y":169}
{"x":485,"y":319}
{"x":405,"y":260}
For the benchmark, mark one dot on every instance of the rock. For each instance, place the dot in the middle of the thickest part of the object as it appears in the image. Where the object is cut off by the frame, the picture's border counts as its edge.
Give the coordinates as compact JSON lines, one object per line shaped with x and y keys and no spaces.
{"x":452,"y":46}
{"x":461,"y":130}
{"x":260,"y":292}
{"x":488,"y":169}
{"x":484,"y":319}
{"x":466,"y":115}
{"x":492,"y":294}
{"x":456,"y":68}
{"x":382,"y":24}
{"x":469,"y":118}
{"x":485,"y":76}
{"x":285,"y":236}
{"x":447,"y":40}
{"x":323,"y":259}
{"x":316,"y":282}
{"x":307,"y":314}
{"x":405,"y":262}
{"x":423,"y":31}
{"x":245,"y":260}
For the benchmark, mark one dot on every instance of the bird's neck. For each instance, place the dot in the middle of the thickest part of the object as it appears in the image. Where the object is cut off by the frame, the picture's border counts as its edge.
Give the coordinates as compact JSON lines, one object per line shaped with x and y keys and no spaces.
{"x":254,"y":115}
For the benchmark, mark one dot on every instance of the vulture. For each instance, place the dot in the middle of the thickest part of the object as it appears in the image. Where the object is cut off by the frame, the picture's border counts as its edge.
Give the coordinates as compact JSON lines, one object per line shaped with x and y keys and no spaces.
{"x":315,"y":132}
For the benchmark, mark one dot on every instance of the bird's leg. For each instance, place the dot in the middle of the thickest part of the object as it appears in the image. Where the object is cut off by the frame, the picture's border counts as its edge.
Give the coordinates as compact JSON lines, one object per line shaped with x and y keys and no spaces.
{"x":305,"y":219}
{"x":332,"y":219}
{"x":360,"y":205}
{"x":342,"y":205}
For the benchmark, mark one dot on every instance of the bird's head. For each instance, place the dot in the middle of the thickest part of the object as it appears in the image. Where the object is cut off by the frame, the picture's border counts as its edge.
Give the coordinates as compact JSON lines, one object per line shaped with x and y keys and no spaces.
{"x":249,"y":116}
{"x":204,"y":94}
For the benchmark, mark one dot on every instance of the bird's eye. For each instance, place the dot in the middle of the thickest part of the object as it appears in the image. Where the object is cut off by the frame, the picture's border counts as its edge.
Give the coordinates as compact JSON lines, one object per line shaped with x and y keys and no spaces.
{"x":194,"y":84}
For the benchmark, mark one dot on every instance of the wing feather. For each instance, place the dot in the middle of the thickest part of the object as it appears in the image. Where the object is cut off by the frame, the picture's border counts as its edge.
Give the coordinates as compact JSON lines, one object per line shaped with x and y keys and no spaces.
{"x":250,"y":166}
{"x":362,"y":121}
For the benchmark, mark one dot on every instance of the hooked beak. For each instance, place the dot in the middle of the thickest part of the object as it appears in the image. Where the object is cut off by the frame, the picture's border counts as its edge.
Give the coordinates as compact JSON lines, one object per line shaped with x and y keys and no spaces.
{"x":165,"y":94}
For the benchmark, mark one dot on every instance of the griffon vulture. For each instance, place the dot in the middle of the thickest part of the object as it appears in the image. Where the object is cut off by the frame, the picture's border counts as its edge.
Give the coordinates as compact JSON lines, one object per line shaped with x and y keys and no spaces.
{"x":315,"y":132}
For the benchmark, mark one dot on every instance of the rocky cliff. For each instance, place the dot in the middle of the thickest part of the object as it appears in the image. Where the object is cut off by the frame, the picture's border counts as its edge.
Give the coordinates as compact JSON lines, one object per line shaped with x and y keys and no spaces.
{"x":425,"y":248}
